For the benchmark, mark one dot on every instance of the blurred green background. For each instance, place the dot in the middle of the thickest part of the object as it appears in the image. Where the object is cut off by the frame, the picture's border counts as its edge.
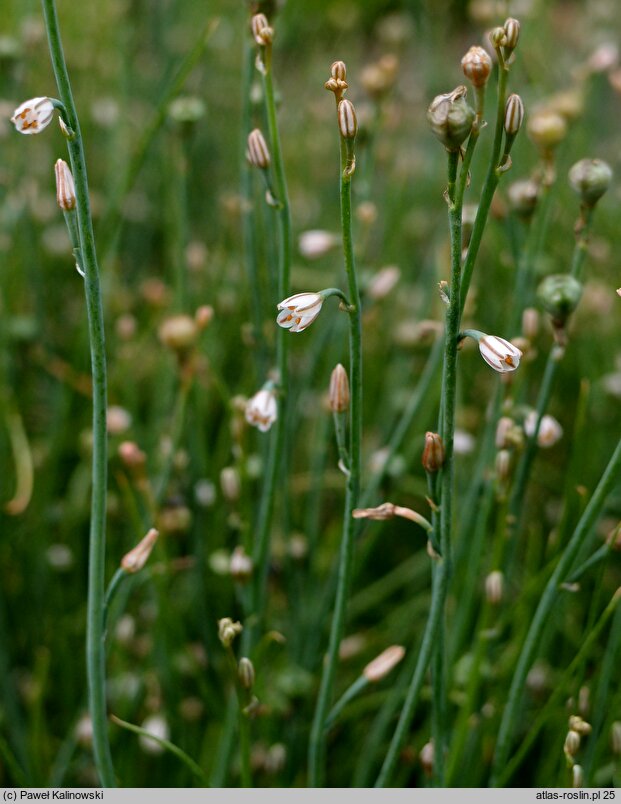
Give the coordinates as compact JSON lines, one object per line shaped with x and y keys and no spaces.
{"x":183,"y":213}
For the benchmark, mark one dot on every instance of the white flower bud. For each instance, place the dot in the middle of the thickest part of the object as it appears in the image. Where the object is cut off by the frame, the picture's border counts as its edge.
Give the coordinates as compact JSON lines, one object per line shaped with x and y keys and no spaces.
{"x":348,"y":124}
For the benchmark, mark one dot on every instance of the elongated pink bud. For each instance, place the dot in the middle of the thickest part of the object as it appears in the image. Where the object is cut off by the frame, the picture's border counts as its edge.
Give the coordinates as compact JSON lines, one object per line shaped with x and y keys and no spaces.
{"x":65,"y":188}
{"x":135,"y":560}
{"x":258,"y":153}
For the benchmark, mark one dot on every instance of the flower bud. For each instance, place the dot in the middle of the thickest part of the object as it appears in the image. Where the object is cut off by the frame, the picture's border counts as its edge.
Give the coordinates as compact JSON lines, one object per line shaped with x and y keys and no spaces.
{"x":241,"y":565}
{"x":590,"y":178}
{"x":384,"y":663}
{"x":576,"y":723}
{"x":245,"y":673}
{"x":261,"y":30}
{"x":523,"y":196}
{"x":451,"y":118}
{"x":433,"y":453}
{"x":512,"y":33}
{"x":514,"y":114}
{"x":427,"y":756}
{"x":135,"y":560}
{"x":338,"y":71}
{"x":577,"y":776}
{"x":546,"y":129}
{"x":339,"y":390}
{"x":228,"y":630}
{"x":178,"y":333}
{"x":65,"y":188}
{"x":559,"y":295}
{"x":550,"y":431}
{"x":572,"y":743}
{"x":348,"y":125}
{"x":498,"y":37}
{"x":316,"y":243}
{"x":503,"y":465}
{"x":494,"y":587}
{"x":257,"y":152}
{"x":230,"y":483}
{"x":530,"y":323}
{"x":477,"y":66}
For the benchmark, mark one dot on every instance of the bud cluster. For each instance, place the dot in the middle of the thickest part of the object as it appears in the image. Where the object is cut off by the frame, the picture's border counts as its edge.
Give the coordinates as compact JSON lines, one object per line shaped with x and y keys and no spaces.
{"x":260,"y":27}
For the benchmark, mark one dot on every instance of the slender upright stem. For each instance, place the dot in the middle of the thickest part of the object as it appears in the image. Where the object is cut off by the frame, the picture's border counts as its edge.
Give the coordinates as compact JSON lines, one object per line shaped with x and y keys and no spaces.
{"x":544,"y":609}
{"x":442,"y":570}
{"x":261,"y":553}
{"x":317,"y":746}
{"x":95,"y":649}
{"x":489,"y":188}
{"x":516,"y":503}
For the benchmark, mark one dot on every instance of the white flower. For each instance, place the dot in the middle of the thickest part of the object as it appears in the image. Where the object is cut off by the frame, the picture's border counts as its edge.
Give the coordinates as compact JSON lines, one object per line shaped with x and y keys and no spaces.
{"x":33,"y":115}
{"x":316,"y":243}
{"x":499,"y":354}
{"x":550,"y":431}
{"x":262,"y":410}
{"x":299,"y":311}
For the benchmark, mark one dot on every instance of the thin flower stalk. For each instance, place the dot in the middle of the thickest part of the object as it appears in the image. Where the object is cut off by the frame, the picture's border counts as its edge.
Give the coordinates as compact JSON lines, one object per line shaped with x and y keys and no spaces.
{"x":441,"y":572}
{"x":274,"y":460}
{"x":579,"y":539}
{"x":516,"y":504}
{"x":317,"y":746}
{"x":95,"y":649}
{"x":560,"y":690}
{"x":489,"y":186}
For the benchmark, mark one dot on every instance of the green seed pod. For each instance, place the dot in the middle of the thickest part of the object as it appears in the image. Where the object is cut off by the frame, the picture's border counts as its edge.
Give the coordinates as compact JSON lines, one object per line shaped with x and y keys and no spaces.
{"x":590,"y":178}
{"x":559,"y":295}
{"x":451,"y":118}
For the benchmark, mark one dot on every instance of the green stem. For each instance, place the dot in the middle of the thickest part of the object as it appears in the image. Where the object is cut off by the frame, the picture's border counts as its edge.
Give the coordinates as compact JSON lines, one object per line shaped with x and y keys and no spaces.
{"x":558,"y":693}
{"x":317,"y":745}
{"x":489,"y":188}
{"x":95,"y":649}
{"x":261,"y":554}
{"x":442,"y":571}
{"x":515,"y":512}
{"x":545,"y":607}
{"x":361,"y":683}
{"x":438,"y":595}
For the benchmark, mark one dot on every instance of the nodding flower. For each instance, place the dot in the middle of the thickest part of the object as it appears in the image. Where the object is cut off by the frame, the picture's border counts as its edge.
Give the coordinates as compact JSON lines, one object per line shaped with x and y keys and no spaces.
{"x":299,"y":311}
{"x":500,"y":354}
{"x":33,"y":115}
{"x":262,"y":409}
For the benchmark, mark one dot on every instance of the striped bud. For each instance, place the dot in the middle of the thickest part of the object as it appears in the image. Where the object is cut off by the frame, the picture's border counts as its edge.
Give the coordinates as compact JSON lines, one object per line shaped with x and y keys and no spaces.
{"x":477,"y":66}
{"x":590,"y":178}
{"x":348,"y":125}
{"x":338,"y":71}
{"x":512,"y":33}
{"x":261,"y":30}
{"x":245,"y":673}
{"x":384,"y":663}
{"x":257,"y":152}
{"x":135,"y":560}
{"x":339,"y":390}
{"x":65,"y":188}
{"x":514,"y":114}
{"x":433,"y":453}
{"x":450,"y":118}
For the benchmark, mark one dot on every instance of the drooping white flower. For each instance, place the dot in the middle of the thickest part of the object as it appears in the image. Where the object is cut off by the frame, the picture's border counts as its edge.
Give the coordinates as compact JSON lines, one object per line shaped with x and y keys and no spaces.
{"x":262,"y":410}
{"x":550,"y":431}
{"x":498,"y":353}
{"x":299,"y":311}
{"x":33,"y":115}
